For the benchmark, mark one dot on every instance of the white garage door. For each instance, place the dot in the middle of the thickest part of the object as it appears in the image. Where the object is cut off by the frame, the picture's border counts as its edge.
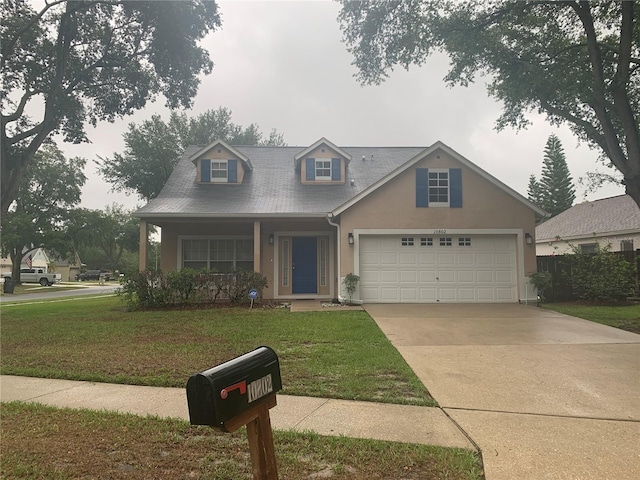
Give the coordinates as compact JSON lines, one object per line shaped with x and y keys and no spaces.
{"x":438,"y":268}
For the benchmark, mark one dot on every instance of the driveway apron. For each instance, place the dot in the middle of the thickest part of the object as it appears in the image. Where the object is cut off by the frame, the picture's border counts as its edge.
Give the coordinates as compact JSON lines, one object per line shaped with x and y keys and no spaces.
{"x":544,"y":395}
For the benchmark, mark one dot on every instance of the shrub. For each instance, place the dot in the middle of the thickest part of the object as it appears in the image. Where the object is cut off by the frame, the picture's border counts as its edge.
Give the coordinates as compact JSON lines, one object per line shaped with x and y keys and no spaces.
{"x":237,"y":284}
{"x":602,"y":276}
{"x":542,"y":281}
{"x":150,"y":289}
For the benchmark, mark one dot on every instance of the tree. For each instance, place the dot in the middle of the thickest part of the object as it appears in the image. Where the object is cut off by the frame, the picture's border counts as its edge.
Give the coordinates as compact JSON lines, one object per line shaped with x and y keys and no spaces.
{"x":554,"y":192}
{"x":534,"y":191}
{"x":558,"y":192}
{"x":153,"y":148}
{"x":576,"y":61}
{"x":70,"y":63}
{"x":49,"y":189}
{"x":107,"y":235}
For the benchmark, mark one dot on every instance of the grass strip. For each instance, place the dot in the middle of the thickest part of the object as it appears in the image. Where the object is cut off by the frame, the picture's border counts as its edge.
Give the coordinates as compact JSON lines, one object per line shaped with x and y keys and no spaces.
{"x":625,"y":317}
{"x":50,"y":443}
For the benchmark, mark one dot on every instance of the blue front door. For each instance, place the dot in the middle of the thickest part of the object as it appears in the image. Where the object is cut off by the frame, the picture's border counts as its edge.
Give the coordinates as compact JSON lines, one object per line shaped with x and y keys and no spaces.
{"x":304,"y":259}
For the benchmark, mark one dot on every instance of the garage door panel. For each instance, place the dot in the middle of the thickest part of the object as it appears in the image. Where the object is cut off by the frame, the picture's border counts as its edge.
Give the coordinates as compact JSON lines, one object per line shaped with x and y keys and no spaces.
{"x":427,"y":276}
{"x":387,"y":258}
{"x":464,"y":259}
{"x":409,"y":295}
{"x":389,"y":276}
{"x":484,"y":276}
{"x":466,"y":276}
{"x":473,"y":268}
{"x":428,"y":259}
{"x":504,"y":276}
{"x":446,"y":276}
{"x":445,"y":259}
{"x":467,"y":294}
{"x":389,"y":295}
{"x":428,"y":294}
{"x":408,"y":276}
{"x":408,"y":259}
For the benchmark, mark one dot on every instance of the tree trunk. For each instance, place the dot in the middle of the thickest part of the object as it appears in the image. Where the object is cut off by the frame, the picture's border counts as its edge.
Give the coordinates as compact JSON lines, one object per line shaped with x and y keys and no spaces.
{"x":633,"y":188}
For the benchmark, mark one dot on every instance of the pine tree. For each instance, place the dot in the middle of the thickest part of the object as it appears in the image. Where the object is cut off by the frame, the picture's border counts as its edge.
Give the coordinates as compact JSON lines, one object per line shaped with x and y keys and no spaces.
{"x":556,"y":188}
{"x":534,"y":193}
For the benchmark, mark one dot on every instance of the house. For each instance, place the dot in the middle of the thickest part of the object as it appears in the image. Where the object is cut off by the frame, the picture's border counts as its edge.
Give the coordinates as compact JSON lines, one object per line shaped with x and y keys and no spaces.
{"x":613,"y":221}
{"x":40,"y":258}
{"x":417,"y":224}
{"x":37,"y":258}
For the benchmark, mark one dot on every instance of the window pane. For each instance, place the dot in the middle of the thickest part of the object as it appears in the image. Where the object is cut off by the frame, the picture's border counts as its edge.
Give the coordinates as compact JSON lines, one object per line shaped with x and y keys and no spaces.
{"x":218,"y":169}
{"x":323,"y":168}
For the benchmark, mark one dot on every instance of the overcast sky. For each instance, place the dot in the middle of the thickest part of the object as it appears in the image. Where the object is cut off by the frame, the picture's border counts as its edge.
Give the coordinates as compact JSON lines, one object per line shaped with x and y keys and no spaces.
{"x":282,"y":65}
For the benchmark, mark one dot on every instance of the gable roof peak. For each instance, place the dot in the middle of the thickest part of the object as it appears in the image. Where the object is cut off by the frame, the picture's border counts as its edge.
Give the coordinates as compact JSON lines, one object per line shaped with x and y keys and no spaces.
{"x":219,"y":142}
{"x":322,"y":141}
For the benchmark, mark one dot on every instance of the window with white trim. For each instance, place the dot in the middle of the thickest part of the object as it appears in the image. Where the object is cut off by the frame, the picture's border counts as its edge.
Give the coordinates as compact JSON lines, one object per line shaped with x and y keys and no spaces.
{"x":222,"y":255}
{"x":626,"y":245}
{"x":323,"y":262}
{"x":438,"y":187}
{"x":464,"y":241}
{"x":323,"y":169}
{"x":407,"y":241}
{"x":445,"y":241}
{"x":285,"y":263}
{"x":219,"y":171}
{"x":426,"y":242}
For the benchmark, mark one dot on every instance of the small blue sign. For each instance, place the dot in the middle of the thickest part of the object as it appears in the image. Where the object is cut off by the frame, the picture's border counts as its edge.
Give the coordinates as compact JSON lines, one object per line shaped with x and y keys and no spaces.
{"x":253,"y":294}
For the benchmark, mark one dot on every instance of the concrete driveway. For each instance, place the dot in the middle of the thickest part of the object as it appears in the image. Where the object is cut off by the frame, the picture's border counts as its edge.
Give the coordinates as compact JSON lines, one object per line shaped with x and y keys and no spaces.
{"x":544,"y":395}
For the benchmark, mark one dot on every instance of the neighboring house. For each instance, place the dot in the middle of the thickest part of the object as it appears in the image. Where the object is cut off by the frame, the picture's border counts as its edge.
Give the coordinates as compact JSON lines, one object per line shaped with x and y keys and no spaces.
{"x":613,"y":222}
{"x":68,"y":269}
{"x":39,"y":259}
{"x":417,"y":224}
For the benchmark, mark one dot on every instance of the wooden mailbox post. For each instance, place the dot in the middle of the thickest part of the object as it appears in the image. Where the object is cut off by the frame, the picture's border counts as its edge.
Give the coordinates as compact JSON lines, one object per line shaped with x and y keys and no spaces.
{"x":237,"y":393}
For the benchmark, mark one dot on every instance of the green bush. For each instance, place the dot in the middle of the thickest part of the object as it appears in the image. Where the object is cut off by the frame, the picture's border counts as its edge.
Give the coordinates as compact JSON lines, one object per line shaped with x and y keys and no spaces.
{"x":542,"y":281}
{"x":602,"y":276}
{"x":150,"y":289}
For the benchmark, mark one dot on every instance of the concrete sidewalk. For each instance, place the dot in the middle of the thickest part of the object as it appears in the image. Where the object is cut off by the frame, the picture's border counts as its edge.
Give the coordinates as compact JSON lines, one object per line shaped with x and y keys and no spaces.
{"x":399,"y":423}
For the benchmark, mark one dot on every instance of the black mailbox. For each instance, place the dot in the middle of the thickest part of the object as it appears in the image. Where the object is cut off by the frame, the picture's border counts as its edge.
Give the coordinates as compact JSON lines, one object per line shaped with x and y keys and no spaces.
{"x":223,"y":392}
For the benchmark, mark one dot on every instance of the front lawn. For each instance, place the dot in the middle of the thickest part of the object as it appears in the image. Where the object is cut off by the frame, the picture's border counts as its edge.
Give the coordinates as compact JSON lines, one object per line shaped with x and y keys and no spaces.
{"x":45,"y":442}
{"x":625,"y":317}
{"x":334,"y":354}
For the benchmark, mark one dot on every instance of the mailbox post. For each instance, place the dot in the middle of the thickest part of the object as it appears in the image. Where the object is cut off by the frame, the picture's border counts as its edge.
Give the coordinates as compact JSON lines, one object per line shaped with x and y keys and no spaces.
{"x":237,"y":393}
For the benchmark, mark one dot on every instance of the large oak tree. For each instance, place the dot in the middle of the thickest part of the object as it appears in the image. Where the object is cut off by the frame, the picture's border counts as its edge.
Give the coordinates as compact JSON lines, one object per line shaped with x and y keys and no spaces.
{"x":578,"y":62}
{"x":153,"y":147}
{"x":68,"y":63}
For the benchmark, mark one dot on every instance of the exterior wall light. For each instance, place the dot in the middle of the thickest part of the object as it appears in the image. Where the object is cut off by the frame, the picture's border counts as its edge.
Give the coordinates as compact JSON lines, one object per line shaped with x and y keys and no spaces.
{"x":351,"y":238}
{"x":528,"y":238}
{"x":271,"y":239}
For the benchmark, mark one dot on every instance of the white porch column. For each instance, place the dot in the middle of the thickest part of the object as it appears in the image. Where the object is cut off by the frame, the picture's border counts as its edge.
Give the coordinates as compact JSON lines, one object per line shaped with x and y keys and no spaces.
{"x":144,"y":245}
{"x":257,"y":243}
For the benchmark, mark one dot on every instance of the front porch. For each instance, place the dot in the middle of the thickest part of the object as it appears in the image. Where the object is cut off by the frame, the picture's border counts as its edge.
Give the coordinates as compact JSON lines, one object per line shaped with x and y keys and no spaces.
{"x":298,"y":256}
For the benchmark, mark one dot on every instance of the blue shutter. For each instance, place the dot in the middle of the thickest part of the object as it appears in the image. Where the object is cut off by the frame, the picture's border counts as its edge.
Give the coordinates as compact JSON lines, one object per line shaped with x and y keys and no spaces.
{"x":311,"y":169}
{"x":455,"y":187}
{"x":205,"y":170}
{"x":422,"y":187}
{"x":232,"y":171}
{"x":335,"y":169}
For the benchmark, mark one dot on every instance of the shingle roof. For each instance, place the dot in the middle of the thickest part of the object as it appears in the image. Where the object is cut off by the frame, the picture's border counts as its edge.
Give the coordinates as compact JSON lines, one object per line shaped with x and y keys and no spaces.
{"x":273,"y":187}
{"x":604,"y":216}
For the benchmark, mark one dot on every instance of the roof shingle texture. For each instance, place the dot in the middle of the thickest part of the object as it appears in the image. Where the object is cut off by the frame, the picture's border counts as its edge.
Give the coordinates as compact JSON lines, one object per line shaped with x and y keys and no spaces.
{"x":274,"y":186}
{"x":607,"y":215}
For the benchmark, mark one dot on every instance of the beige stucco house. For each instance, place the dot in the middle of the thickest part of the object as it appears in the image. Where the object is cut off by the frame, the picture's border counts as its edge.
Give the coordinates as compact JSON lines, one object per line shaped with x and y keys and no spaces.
{"x":418,"y":225}
{"x":612,"y":222}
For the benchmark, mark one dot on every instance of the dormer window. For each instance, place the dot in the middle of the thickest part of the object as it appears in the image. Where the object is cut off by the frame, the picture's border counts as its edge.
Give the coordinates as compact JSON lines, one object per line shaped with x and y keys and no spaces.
{"x":323,"y":169}
{"x":219,"y":171}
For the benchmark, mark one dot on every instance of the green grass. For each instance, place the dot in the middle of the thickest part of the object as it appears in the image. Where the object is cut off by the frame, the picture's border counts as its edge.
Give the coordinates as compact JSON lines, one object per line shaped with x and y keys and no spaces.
{"x":46,"y":442}
{"x":334,"y":354}
{"x":626,"y":317}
